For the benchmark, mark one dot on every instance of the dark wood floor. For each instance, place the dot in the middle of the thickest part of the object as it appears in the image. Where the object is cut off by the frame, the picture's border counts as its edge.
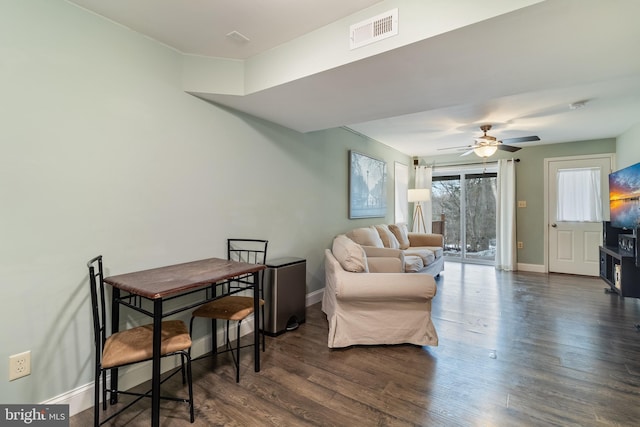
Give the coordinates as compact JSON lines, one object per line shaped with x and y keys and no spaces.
{"x":516,"y":349}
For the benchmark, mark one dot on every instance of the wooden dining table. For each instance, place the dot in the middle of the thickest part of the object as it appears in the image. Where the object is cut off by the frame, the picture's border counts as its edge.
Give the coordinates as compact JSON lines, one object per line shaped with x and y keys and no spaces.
{"x":175,"y":283}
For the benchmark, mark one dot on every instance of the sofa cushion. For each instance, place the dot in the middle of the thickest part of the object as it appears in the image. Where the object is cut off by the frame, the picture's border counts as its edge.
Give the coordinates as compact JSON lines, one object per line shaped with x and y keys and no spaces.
{"x":388,"y":238}
{"x":366,"y":236}
{"x":349,"y":254}
{"x":437,"y":250}
{"x":402,"y":234}
{"x":425,"y":254}
{"x":412,"y":264}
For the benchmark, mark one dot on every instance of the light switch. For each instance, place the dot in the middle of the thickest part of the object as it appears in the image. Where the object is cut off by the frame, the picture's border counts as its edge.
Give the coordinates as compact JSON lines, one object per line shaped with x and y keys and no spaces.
{"x":522,"y":203}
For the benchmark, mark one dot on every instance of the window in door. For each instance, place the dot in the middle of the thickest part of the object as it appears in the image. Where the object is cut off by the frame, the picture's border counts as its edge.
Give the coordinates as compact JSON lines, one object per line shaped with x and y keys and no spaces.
{"x":467,"y":199}
{"x":579,"y":195}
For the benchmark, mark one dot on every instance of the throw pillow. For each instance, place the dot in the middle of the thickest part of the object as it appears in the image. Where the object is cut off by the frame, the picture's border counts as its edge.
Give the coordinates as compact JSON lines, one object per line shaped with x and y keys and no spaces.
{"x":366,"y":236}
{"x":349,"y":254}
{"x":388,"y":238}
{"x":402,"y":234}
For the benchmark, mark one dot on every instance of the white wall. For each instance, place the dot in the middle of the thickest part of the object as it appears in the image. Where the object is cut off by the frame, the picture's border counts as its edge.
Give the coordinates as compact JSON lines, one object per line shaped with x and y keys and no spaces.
{"x":327,"y":47}
{"x":628,"y":147}
{"x":102,"y":152}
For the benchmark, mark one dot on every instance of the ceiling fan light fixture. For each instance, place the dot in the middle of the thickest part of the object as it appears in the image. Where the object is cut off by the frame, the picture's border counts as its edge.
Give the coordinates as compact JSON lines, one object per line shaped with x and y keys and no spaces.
{"x":486,"y":139}
{"x":485,"y":150}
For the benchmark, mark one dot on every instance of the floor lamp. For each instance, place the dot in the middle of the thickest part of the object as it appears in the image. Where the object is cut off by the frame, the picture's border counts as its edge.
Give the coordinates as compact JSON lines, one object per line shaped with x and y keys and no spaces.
{"x":417,"y":195}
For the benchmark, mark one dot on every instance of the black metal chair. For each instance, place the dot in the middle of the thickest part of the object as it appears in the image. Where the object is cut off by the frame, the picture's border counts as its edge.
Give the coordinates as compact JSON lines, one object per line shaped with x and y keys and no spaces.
{"x":236,"y":307}
{"x":131,"y":346}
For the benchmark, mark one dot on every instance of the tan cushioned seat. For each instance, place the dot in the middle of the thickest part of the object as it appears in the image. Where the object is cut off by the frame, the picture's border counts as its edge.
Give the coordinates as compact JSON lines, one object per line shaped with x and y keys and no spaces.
{"x":437,"y":250}
{"x":136,"y":344}
{"x":233,"y":307}
{"x":426,"y":255}
{"x":412,"y":263}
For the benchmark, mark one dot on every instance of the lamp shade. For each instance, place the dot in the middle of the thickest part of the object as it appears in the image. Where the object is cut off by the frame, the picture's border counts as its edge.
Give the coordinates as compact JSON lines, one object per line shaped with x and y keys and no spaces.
{"x":419,"y":195}
{"x":485,"y":150}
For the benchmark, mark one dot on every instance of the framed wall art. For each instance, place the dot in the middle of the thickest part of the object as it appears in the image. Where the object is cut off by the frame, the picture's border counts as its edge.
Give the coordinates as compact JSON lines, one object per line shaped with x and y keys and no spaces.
{"x":367,"y":186}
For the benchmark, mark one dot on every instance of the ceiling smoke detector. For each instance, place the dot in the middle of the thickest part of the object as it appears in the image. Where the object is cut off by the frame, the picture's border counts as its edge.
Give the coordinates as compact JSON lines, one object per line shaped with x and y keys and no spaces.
{"x":577,"y":105}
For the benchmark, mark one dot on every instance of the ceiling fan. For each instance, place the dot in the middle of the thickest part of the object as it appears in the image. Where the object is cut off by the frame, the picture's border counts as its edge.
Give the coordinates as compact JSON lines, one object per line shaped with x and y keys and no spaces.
{"x":487,"y":145}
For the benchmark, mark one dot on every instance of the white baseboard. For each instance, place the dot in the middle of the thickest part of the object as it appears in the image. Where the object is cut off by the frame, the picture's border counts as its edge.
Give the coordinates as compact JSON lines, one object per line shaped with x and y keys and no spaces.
{"x":81,"y":398}
{"x":314,"y":297}
{"x":533,"y":268}
{"x":78,"y":399}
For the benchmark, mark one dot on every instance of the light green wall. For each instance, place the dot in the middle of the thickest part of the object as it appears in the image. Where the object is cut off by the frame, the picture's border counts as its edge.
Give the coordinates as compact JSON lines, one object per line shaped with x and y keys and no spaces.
{"x":102,"y":152}
{"x":530,"y":187}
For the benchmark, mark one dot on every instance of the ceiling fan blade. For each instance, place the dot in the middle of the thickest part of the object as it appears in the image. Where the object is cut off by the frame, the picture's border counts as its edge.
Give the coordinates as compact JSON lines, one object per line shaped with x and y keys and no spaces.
{"x":508,"y":148}
{"x":520,"y":139}
{"x":454,"y":148}
{"x":466,"y":153}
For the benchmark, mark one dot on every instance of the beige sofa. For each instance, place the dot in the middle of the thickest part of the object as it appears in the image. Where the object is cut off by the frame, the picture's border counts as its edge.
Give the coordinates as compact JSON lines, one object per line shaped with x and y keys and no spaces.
{"x":422,"y":252}
{"x":369,"y":300}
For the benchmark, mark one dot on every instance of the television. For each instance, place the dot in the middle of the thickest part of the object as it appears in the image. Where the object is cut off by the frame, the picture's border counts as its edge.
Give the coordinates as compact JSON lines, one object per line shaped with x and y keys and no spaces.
{"x":624,"y":197}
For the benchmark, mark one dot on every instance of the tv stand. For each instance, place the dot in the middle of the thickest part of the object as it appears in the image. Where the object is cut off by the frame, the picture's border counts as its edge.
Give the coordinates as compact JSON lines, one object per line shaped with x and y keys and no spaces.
{"x":619,"y":271}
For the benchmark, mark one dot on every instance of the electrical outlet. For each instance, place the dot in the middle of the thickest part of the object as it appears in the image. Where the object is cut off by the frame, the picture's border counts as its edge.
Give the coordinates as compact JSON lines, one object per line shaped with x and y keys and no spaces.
{"x":520,"y":245}
{"x":19,"y":365}
{"x":522,"y":203}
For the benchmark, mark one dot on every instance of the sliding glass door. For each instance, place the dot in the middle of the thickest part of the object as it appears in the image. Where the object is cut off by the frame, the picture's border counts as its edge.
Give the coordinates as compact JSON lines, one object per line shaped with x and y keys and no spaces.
{"x":445,"y":202}
{"x":466,"y":199}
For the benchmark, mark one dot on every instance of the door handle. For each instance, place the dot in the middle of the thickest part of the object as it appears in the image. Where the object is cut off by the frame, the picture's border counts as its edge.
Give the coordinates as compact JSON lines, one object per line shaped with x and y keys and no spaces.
{"x":554,"y":225}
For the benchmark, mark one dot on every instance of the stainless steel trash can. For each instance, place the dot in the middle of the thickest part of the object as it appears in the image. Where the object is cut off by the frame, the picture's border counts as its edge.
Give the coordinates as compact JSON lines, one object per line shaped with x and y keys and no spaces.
{"x":285,"y":294}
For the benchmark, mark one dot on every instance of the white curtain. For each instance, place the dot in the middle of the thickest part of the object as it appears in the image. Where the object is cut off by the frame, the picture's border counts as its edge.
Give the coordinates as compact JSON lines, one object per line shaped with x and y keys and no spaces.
{"x":506,"y":257}
{"x":579,"y":195}
{"x":423,"y":180}
{"x":401,"y":188}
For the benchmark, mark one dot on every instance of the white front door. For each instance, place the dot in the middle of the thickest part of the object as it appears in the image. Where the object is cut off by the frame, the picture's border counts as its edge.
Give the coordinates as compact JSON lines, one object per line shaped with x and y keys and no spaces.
{"x":573,"y":213}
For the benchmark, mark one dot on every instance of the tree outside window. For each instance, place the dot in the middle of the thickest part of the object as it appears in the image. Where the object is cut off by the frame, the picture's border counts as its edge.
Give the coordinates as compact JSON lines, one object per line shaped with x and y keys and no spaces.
{"x":475,"y":195}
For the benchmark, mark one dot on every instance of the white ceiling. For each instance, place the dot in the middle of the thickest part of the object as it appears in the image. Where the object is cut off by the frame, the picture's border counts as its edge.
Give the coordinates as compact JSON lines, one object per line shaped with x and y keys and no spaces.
{"x":200,"y":26}
{"x":518,"y":71}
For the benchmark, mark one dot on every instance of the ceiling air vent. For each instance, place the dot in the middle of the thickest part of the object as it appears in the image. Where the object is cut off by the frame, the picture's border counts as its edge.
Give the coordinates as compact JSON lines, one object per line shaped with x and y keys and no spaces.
{"x":374,"y":29}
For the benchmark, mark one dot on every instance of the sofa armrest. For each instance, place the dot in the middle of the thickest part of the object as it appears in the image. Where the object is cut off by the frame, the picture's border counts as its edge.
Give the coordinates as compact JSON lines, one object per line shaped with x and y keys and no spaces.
{"x":426,"y":239}
{"x":385,"y":286}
